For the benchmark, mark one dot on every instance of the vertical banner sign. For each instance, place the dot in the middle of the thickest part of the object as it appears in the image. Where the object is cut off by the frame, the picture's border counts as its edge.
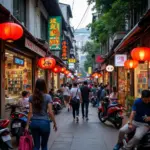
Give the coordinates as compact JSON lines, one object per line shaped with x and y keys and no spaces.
{"x":54,"y":33}
{"x":64,"y":54}
{"x":89,"y":70}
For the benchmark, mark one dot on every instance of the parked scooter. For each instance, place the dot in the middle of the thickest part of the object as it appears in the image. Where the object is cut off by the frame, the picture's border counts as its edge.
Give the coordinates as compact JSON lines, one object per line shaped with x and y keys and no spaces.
{"x":144,"y":143}
{"x":112,"y":113}
{"x":18,"y":121}
{"x":5,"y":138}
{"x":56,"y":105}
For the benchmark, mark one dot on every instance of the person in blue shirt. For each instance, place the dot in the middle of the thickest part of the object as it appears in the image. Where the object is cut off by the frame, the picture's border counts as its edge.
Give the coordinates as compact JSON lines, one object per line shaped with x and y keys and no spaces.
{"x":139,"y":120}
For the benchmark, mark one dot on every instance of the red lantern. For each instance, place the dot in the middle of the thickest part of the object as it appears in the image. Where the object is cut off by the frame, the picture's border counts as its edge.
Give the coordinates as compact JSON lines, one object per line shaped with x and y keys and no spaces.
{"x":141,"y":53}
{"x":10,"y":31}
{"x":131,"y":64}
{"x":46,"y":63}
{"x":63,"y":70}
{"x":67,"y":72}
{"x":56,"y":69}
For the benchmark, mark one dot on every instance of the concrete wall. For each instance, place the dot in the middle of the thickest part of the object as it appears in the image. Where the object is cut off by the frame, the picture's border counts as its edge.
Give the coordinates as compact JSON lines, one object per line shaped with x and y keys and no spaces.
{"x":64,"y":12}
{"x":34,"y":8}
{"x":8,"y":4}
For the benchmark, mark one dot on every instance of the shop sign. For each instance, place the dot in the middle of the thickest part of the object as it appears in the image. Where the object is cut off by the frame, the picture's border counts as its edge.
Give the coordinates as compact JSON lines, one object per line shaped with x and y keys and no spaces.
{"x":110,"y":68}
{"x":120,"y":60}
{"x":54,"y":33}
{"x":99,"y":59}
{"x":72,"y":60}
{"x":34,"y":48}
{"x":18,"y":61}
{"x":64,"y":54}
{"x":71,"y":65}
{"x":89,"y":70}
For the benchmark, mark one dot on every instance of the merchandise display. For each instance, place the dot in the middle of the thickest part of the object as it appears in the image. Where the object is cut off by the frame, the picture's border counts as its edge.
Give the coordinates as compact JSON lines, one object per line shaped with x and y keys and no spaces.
{"x":18,"y":77}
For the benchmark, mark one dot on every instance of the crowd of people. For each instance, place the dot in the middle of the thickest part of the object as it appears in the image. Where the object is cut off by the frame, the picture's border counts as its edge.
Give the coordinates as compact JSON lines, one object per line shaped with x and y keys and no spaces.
{"x":83,"y":92}
{"x":40,"y":110}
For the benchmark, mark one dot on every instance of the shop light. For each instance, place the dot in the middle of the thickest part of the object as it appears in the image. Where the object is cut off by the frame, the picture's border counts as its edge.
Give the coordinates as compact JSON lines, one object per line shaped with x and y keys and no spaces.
{"x":141,"y":54}
{"x":130,"y":64}
{"x":10,"y":31}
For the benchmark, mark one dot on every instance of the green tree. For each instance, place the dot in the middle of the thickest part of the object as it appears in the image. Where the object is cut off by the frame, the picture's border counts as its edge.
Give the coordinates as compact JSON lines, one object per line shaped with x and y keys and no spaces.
{"x":113,"y":16}
{"x":91,"y":49}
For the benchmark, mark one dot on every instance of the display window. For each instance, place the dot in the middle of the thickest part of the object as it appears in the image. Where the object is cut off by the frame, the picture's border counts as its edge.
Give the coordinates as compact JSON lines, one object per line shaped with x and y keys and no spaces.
{"x":18,"y":74}
{"x":41,"y":73}
{"x":140,"y":78}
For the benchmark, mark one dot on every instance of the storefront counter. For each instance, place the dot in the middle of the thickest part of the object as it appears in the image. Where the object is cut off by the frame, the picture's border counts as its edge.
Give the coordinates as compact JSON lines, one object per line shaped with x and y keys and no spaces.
{"x":12,"y":99}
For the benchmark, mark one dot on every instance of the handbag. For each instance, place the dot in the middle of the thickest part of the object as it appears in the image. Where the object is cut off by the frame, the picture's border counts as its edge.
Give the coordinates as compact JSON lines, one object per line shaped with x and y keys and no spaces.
{"x":26,"y":142}
{"x":75,"y":100}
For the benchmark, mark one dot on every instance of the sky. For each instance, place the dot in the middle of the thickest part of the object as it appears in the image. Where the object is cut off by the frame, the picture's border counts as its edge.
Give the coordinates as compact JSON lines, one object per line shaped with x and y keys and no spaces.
{"x":79,"y":8}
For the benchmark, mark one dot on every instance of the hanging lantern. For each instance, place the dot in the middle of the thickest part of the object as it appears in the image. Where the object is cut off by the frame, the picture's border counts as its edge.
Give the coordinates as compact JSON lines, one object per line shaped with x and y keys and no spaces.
{"x":131,"y":64}
{"x":56,"y":69}
{"x":10,"y":31}
{"x":63,"y":70}
{"x":47,"y":63}
{"x":141,"y":54}
{"x":66,"y":72}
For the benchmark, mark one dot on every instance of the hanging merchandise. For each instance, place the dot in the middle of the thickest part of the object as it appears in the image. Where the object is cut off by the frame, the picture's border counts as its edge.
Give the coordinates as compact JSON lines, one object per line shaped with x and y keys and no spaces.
{"x":141,"y":54}
{"x":10,"y":31}
{"x":130,"y":64}
{"x":47,"y":63}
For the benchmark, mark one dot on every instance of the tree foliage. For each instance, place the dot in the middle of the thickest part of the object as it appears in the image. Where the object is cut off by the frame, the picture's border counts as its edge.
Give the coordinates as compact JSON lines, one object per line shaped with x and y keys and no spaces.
{"x":113,"y":16}
{"x":91,"y":49}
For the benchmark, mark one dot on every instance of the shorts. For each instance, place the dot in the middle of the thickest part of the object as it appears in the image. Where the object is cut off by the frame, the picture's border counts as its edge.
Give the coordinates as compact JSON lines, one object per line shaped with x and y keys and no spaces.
{"x":66,"y":98}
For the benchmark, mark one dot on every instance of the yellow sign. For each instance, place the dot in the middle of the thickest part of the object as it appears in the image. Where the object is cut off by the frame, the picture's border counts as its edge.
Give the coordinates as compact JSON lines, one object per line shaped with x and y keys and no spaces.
{"x":79,"y":74}
{"x":89,"y":70}
{"x":72,"y":60}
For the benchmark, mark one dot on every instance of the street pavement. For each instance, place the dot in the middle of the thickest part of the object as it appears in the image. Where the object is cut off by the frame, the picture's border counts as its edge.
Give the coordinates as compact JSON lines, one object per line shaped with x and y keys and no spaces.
{"x":85,"y":135}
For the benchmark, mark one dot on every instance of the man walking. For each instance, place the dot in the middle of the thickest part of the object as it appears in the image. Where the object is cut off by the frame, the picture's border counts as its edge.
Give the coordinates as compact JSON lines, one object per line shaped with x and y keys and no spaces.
{"x":85,"y":91}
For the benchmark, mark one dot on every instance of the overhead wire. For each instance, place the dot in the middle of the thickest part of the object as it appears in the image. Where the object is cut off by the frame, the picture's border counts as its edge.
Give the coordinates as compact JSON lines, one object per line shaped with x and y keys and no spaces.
{"x":83,"y":17}
{"x":73,"y":4}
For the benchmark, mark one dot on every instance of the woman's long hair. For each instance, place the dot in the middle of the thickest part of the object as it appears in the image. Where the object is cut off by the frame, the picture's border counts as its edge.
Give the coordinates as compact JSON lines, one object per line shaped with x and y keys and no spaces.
{"x":38,"y":99}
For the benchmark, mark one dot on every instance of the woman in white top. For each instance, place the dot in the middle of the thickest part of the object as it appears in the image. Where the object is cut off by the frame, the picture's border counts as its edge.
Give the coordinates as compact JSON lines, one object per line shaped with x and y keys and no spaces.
{"x":114,"y":95}
{"x":75,"y":101}
{"x":66,"y":94}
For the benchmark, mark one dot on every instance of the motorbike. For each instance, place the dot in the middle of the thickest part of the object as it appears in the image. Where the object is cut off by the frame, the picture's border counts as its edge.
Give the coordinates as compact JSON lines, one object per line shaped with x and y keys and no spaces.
{"x":144,"y":143}
{"x":94,"y":101}
{"x":18,"y":121}
{"x":5,"y":138}
{"x":112,"y":113}
{"x":56,"y":105}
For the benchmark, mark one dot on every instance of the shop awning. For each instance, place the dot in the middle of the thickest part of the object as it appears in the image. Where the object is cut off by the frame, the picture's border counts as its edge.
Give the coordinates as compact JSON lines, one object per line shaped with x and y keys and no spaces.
{"x":52,"y":6}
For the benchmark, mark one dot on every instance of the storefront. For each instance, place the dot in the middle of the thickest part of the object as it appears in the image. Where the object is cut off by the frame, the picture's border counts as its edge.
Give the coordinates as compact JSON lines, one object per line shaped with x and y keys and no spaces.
{"x":123,"y":84}
{"x":140,"y":78}
{"x":18,"y":75}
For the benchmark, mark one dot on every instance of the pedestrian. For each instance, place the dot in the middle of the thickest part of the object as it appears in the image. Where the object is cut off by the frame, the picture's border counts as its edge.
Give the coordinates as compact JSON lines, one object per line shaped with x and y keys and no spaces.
{"x":113,"y":97}
{"x":51,"y":93}
{"x":75,"y":101}
{"x":66,"y":94}
{"x":24,"y":101}
{"x":85,"y":93}
{"x":39,"y":103}
{"x":139,"y":122}
{"x":99,"y":94}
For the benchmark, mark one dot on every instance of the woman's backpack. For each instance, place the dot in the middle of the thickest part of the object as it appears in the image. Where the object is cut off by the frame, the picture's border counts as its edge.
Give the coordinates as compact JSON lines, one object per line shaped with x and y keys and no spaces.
{"x":26,"y":142}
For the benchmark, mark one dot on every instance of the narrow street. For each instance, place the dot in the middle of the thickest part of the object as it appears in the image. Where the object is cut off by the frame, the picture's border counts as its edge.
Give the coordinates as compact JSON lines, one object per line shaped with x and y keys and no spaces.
{"x":91,"y":135}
